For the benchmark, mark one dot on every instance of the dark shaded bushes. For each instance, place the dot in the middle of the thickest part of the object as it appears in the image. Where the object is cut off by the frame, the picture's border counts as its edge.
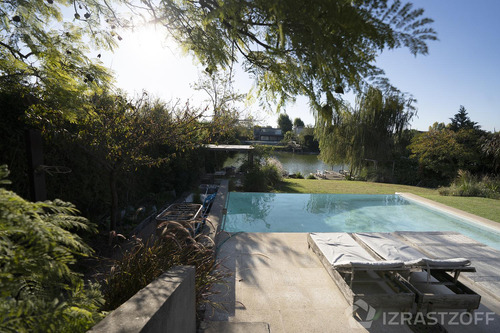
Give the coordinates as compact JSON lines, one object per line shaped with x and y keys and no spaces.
{"x":468,"y":185}
{"x":144,"y":262}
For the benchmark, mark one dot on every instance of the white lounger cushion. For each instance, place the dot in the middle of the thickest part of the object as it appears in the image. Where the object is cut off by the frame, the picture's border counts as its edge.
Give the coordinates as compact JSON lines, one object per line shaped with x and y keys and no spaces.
{"x":391,"y":248}
{"x":454,"y":262}
{"x":341,"y":250}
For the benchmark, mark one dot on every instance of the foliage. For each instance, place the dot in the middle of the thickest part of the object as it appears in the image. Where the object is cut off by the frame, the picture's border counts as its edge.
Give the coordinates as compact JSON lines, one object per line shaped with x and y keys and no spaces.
{"x":42,"y":50}
{"x":263,"y":177}
{"x":284,"y":123}
{"x":297,"y":175}
{"x":467,"y":185}
{"x":442,"y":152}
{"x":368,"y":133}
{"x":145,"y":262}
{"x":219,"y":88}
{"x":260,"y":153}
{"x":14,"y":100}
{"x":289,"y":138}
{"x":461,"y":121}
{"x":295,"y":48}
{"x":437,"y":152}
{"x":122,"y":135}
{"x":297,"y":122}
{"x":307,"y":140}
{"x":225,"y":103}
{"x":273,"y":161}
{"x":491,"y":147}
{"x":40,"y":292}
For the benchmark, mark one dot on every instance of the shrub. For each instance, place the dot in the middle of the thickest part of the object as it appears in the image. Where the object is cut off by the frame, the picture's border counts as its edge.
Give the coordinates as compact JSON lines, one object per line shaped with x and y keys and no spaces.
{"x":468,"y":185}
{"x":296,"y":175}
{"x":145,"y":262}
{"x":39,"y":290}
{"x":255,"y":181}
{"x":311,"y":176}
{"x":273,"y":161}
{"x":262,"y":178}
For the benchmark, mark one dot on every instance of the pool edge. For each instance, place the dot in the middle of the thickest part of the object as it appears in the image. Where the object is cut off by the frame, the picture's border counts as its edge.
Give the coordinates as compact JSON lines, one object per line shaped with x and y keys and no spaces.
{"x":484,"y":222}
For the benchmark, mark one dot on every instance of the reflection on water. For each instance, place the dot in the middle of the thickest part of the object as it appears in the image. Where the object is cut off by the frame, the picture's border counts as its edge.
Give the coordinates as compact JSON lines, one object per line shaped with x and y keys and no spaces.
{"x":292,"y":163}
{"x":292,"y":212}
{"x":252,"y":208}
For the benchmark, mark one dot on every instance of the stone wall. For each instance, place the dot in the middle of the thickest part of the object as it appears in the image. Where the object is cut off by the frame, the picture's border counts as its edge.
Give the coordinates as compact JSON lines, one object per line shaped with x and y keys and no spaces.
{"x":165,"y":305}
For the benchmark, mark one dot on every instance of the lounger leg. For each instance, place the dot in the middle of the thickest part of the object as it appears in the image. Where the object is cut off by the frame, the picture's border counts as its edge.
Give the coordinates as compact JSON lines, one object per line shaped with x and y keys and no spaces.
{"x":455,"y":277}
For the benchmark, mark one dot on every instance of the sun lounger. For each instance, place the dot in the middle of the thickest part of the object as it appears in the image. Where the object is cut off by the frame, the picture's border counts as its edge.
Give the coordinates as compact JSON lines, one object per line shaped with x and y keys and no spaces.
{"x":358,"y":275}
{"x":435,"y":288}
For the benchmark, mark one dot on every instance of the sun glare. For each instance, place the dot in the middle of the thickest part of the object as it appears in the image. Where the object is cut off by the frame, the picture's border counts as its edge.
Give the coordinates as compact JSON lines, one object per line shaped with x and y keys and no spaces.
{"x":147,"y":59}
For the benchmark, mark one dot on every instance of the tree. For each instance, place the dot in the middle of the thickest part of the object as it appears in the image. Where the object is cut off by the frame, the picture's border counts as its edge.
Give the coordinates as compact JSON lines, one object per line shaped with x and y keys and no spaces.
{"x":297,"y":122}
{"x":224,"y":101}
{"x":437,"y":126}
{"x":368,"y":132}
{"x":122,"y":135}
{"x":284,"y":123}
{"x":491,"y":147}
{"x":437,"y":153}
{"x":442,"y":152}
{"x":295,"y":48}
{"x":307,"y":140}
{"x":40,"y":291}
{"x":289,"y":139}
{"x":50,"y":56}
{"x":222,"y":97}
{"x":461,"y":121}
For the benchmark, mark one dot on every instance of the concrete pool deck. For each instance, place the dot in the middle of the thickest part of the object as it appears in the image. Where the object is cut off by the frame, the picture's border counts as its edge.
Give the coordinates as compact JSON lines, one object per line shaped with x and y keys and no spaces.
{"x":279,"y":285}
{"x":277,"y":280}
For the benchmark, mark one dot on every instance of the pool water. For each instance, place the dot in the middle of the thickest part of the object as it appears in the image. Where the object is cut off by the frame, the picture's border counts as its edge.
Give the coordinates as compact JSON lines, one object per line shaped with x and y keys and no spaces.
{"x":290,"y":212}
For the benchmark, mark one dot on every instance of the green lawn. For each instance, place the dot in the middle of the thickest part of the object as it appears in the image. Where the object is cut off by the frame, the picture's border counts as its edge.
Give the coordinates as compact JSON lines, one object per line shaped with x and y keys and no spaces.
{"x":487,"y":208}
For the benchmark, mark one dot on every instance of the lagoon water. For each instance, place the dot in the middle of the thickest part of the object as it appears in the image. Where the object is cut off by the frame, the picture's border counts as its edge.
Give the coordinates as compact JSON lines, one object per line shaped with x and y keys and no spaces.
{"x":292,"y":162}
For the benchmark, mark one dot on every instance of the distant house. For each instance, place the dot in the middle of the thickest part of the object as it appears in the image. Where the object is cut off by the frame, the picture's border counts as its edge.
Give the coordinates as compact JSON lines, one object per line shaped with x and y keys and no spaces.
{"x":267,"y":134}
{"x":297,"y":129}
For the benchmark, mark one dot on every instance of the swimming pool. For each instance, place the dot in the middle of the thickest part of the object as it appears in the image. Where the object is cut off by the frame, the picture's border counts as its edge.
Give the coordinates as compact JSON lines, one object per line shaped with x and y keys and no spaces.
{"x":291,"y":212}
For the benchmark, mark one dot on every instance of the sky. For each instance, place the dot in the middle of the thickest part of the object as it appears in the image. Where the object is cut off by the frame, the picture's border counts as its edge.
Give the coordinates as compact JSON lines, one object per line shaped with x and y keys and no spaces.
{"x":462,"y":68}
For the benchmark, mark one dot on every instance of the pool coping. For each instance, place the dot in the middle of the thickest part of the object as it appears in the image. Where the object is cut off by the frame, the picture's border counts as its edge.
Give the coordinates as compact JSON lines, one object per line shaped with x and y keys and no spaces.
{"x":484,"y":222}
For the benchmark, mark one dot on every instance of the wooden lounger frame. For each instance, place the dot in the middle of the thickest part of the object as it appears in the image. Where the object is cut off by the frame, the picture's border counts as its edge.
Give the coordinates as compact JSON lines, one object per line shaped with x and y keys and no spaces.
{"x":462,"y":298}
{"x":403,"y":297}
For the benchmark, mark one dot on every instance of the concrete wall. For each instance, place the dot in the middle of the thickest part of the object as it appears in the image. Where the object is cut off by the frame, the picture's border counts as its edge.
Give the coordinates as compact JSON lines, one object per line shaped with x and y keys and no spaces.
{"x":216,"y":212}
{"x":165,"y":305}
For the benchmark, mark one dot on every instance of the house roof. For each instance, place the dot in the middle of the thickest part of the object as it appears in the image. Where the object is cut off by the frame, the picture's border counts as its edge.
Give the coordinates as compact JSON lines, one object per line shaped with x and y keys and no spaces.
{"x":239,"y":148}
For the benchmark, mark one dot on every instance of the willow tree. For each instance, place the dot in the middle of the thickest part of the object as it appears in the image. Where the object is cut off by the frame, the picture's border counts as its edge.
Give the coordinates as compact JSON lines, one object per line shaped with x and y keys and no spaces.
{"x":292,"y":47}
{"x":367,"y":132}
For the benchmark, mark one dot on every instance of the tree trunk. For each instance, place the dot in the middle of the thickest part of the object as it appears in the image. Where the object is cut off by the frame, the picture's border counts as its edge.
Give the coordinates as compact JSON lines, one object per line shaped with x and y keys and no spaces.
{"x":114,"y":201}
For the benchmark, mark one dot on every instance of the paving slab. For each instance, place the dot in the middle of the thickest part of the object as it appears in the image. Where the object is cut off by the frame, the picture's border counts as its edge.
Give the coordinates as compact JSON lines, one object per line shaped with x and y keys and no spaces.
{"x":443,"y":244}
{"x":230,"y":327}
{"x":278,"y":281}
